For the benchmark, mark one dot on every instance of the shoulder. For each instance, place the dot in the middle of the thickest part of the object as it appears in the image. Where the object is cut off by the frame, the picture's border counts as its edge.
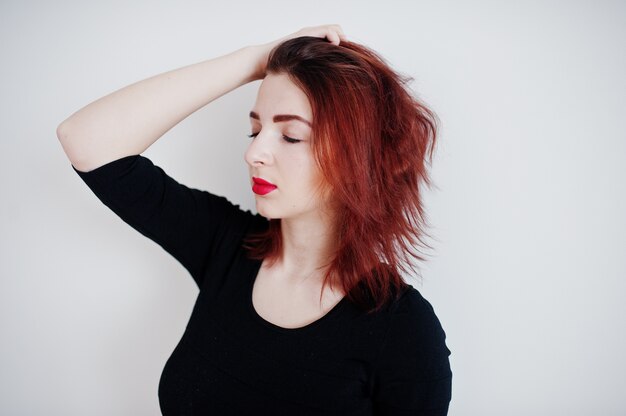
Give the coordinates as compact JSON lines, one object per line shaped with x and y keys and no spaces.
{"x":413,"y":371}
{"x":414,"y":329}
{"x":414,"y":306}
{"x":411,"y":303}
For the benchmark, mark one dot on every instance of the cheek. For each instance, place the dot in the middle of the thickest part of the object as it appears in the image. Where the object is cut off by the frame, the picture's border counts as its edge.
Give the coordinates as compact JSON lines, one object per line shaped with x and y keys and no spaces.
{"x":307,"y":173}
{"x":314,"y":184}
{"x":300,"y":170}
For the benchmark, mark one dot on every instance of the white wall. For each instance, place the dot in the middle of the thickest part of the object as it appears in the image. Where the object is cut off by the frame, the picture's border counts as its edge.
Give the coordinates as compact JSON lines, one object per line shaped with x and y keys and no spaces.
{"x":529,"y":272}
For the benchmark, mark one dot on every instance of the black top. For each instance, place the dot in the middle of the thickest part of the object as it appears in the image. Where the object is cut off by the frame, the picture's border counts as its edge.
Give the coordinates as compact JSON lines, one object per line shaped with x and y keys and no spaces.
{"x":231,"y":361}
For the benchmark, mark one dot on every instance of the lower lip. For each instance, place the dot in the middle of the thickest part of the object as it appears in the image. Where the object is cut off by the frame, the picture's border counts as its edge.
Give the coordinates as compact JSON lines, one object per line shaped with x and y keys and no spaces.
{"x":262,"y":189}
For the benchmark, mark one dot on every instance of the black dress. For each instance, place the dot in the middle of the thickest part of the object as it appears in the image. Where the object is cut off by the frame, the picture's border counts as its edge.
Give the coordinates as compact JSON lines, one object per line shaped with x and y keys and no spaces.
{"x":231,"y":361}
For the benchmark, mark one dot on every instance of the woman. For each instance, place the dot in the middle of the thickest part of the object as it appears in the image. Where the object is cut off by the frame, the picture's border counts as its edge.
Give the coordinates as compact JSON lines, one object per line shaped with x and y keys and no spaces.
{"x":301,"y":309}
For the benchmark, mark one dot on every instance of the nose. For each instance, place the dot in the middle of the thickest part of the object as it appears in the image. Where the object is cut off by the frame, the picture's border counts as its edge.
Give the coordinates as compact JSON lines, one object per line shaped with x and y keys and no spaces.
{"x":259,"y":152}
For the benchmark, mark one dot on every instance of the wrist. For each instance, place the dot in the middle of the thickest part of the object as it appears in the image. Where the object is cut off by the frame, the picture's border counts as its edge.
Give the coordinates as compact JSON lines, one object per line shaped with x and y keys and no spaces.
{"x":258,"y":55}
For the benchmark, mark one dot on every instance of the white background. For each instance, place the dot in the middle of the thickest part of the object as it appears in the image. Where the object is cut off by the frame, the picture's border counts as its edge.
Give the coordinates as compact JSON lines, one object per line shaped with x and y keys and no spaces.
{"x":528,"y":273}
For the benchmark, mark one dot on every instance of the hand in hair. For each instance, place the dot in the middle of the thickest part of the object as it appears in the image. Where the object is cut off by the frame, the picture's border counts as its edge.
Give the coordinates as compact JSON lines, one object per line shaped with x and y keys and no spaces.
{"x":333,"y":33}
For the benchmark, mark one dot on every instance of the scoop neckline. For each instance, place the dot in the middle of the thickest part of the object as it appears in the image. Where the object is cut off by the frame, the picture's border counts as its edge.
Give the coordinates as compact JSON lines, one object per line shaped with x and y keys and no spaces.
{"x":333,"y":311}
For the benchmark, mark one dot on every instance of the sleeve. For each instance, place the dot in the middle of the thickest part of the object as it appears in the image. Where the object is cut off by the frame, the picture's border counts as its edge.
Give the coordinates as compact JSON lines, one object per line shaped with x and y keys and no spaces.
{"x":185,"y":222}
{"x":413,"y":375}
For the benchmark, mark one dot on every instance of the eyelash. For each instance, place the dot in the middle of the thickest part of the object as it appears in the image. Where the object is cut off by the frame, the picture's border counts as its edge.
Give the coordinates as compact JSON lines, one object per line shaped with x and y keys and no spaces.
{"x":286,"y":138}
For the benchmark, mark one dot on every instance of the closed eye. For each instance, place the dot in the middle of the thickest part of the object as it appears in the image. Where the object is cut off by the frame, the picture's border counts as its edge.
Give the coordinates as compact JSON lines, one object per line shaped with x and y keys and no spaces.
{"x":286,"y":138}
{"x":290,"y":139}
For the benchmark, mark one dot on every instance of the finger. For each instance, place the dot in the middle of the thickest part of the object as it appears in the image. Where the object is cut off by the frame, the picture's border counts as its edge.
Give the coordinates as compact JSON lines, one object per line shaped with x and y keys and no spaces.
{"x":339,"y":31}
{"x":333,"y":38}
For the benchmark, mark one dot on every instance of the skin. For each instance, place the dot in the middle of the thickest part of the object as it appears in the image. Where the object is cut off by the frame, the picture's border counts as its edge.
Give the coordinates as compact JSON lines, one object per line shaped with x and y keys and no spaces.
{"x":278,"y":159}
{"x":303,"y":210}
{"x":129,"y":120}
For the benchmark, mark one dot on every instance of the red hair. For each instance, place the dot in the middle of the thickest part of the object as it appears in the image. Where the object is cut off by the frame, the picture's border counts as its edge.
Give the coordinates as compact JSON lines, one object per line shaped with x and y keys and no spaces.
{"x":371,"y":138}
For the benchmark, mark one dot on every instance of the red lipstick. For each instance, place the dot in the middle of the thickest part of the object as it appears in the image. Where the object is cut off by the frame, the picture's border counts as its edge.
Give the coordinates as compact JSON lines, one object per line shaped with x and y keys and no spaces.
{"x":262,"y":187}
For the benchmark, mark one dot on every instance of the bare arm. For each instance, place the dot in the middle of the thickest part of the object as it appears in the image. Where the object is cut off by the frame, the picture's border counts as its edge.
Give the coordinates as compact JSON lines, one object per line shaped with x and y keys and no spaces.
{"x":131,"y":119}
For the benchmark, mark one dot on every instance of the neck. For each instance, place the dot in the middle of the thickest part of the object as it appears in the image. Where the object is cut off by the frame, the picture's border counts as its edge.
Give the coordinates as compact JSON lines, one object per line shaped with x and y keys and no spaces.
{"x":308,"y":246}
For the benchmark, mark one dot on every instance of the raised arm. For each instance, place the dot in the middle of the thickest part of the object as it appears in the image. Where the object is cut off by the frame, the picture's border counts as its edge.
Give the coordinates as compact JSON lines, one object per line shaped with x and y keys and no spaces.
{"x":128,"y":121}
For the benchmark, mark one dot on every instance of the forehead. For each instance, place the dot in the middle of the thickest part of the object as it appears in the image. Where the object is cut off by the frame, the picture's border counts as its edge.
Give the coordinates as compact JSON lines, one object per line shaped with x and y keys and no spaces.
{"x":279,"y":95}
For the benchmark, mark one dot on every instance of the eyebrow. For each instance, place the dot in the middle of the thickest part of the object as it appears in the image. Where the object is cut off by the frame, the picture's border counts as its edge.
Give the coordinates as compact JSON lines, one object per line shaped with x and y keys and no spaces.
{"x":283,"y":117}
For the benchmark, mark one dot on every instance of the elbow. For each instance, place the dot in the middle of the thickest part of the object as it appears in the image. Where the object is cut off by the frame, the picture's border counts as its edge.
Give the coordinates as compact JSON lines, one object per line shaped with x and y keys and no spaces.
{"x":62,"y":131}
{"x":64,"y":135}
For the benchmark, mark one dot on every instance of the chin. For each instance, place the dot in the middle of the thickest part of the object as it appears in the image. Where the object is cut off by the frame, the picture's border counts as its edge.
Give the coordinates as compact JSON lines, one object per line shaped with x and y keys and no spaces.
{"x":264,"y":212}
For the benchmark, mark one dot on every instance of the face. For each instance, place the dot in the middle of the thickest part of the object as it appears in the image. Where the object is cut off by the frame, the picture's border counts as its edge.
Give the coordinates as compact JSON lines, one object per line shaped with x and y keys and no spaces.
{"x":283,"y":173}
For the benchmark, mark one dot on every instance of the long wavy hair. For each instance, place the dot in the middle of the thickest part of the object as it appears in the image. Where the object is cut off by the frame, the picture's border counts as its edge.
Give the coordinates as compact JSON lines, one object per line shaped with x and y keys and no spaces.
{"x":371,"y":137}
